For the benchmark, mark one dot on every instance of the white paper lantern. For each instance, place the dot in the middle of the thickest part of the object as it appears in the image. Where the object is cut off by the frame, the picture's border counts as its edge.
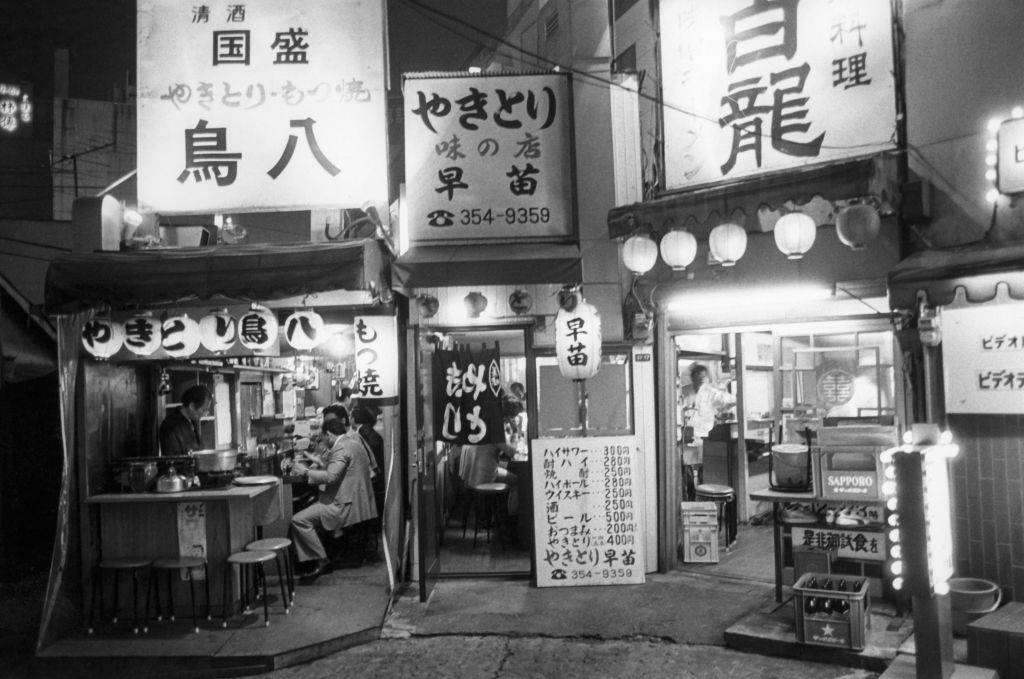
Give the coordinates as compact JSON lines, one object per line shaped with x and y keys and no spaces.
{"x":218,"y":331}
{"x":728,"y":243}
{"x":102,"y":338}
{"x":257,"y":329}
{"x":678,"y":249}
{"x":639,"y":254}
{"x":578,"y":341}
{"x":142,"y":335}
{"x":857,"y":225}
{"x":305,"y":330}
{"x":794,"y":234}
{"x":179,"y":336}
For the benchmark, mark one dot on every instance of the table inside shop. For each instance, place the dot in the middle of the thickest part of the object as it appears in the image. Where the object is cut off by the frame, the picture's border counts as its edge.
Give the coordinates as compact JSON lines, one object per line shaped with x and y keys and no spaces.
{"x":146,"y":525}
{"x":778,"y":499}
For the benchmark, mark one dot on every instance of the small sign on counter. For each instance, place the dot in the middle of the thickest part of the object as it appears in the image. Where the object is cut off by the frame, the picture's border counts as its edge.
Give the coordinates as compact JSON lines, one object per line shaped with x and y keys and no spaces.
{"x":192,"y":532}
{"x":588,"y":527}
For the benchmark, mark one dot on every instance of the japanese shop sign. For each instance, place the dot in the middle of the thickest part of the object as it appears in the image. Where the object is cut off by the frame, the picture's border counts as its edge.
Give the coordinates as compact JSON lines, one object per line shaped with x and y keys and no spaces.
{"x":578,"y":341}
{"x":753,"y":86}
{"x":847,"y":544}
{"x":16,"y":109}
{"x":489,"y":157}
{"x":1010,"y":157}
{"x":377,"y":358}
{"x":467,"y":397}
{"x":192,"y":532}
{"x":586,"y":502}
{"x":835,"y":388}
{"x":983,"y":348}
{"x":258,"y":105}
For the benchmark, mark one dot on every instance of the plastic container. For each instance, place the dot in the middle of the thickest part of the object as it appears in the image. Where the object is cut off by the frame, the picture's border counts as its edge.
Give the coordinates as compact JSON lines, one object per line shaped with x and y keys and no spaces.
{"x":971,"y":598}
{"x":700,"y":532}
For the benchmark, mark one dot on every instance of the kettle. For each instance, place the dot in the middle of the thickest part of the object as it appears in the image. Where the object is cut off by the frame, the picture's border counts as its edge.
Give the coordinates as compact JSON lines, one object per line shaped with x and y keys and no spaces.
{"x":171,"y":482}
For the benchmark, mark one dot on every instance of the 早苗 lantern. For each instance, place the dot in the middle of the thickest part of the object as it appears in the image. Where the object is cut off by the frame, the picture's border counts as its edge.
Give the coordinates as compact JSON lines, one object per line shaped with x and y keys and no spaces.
{"x":257,"y":329}
{"x":179,"y":336}
{"x":639,"y":254}
{"x":794,"y":234}
{"x":857,"y":225}
{"x":102,"y":338}
{"x":142,"y":335}
{"x":578,"y":341}
{"x":678,"y":249}
{"x":728,"y":243}
{"x":218,"y":331}
{"x":305,"y":330}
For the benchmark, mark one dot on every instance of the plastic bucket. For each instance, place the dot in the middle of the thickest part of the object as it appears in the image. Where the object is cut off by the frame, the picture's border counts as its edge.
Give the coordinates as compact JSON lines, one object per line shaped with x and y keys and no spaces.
{"x":971,"y":598}
{"x":789,"y":469}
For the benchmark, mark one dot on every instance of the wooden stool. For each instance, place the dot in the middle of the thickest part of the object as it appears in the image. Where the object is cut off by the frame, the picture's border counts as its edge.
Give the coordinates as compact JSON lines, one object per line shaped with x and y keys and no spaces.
{"x":131,"y":564}
{"x":171,"y":566}
{"x":281,"y":547}
{"x":725,"y":498}
{"x":248,"y":561}
{"x":485,"y":500}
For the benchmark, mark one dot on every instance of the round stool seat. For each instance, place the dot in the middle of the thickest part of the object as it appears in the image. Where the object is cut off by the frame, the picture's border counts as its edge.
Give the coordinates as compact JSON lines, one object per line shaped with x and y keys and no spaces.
{"x":126,"y":562}
{"x":490,"y":488}
{"x":269,"y":544}
{"x":180,"y":562}
{"x":253,"y":556}
{"x":714,"y":490}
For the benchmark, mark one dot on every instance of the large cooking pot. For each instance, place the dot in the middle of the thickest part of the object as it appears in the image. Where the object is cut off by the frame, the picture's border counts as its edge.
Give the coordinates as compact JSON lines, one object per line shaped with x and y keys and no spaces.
{"x":141,"y":475}
{"x":789,"y":467}
{"x":219,"y":460}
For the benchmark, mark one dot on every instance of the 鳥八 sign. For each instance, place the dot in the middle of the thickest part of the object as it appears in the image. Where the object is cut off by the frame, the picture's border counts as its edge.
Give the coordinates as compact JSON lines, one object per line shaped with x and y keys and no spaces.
{"x":376,"y":346}
{"x":983,"y":370}
{"x":753,"y":86}
{"x":259,"y":105}
{"x":489,"y":157}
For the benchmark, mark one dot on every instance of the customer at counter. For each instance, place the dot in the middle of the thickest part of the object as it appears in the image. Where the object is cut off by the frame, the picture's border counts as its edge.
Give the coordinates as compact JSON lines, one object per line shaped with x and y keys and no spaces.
{"x":345,"y":497}
{"x":179,"y":432}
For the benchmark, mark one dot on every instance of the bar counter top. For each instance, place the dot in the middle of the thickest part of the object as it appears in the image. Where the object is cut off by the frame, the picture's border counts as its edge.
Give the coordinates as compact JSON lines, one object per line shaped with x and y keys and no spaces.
{"x":225,"y":493}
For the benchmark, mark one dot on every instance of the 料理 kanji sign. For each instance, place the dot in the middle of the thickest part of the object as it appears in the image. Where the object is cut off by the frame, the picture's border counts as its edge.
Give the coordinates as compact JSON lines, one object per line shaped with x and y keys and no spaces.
{"x":258,"y":105}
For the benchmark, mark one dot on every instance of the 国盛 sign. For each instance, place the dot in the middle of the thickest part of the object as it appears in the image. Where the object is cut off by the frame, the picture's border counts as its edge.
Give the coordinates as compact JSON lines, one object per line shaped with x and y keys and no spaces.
{"x":752,"y":86}
{"x":983,"y":347}
{"x":260,"y":105}
{"x":488,"y":157}
{"x":586,"y":503}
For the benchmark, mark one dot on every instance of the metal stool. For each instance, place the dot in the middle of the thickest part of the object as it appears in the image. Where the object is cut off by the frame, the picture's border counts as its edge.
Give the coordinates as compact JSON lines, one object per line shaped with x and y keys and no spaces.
{"x":724,"y":498}
{"x":247,"y":562}
{"x":131,"y":564}
{"x":281,"y":547}
{"x":171,"y":566}
{"x":485,"y":500}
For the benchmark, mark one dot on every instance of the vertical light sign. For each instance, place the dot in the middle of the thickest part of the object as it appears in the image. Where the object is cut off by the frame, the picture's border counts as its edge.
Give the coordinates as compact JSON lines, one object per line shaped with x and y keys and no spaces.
{"x":376,"y":345}
{"x":260,"y":105}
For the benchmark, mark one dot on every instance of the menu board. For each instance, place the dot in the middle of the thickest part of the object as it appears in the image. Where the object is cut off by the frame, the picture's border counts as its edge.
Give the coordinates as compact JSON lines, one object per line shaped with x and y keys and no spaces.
{"x":587,"y":510}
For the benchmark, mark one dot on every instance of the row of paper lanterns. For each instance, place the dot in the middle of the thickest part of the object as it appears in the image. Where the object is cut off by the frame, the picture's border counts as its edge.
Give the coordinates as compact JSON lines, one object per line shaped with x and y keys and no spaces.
{"x":180,"y":336}
{"x":856,"y":225}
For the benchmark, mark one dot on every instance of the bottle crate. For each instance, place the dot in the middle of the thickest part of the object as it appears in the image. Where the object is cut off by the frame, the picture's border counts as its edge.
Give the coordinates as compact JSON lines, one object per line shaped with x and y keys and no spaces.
{"x":843,"y":621}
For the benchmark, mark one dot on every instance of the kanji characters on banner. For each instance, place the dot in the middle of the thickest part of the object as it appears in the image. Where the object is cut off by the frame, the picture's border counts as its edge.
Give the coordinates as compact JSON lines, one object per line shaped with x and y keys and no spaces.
{"x":376,"y":345}
{"x":467,"y":397}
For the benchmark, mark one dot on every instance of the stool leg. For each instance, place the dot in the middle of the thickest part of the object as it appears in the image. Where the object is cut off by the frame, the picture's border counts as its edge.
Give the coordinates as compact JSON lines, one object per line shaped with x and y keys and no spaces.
{"x":135,"y":600}
{"x":279,"y":562}
{"x":170,"y":592}
{"x":158,"y":605}
{"x":149,"y":596}
{"x":226,"y":598}
{"x":206,"y":585}
{"x":290,"y":565}
{"x":192,"y":595}
{"x":117,"y":586}
{"x":243,"y":579}
{"x":96,"y":574}
{"x":266,"y":605}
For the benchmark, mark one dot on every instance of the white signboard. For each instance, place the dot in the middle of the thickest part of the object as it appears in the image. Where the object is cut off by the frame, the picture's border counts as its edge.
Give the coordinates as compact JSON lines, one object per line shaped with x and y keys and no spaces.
{"x":983,"y":359}
{"x":377,"y":358}
{"x":192,"y":531}
{"x":1010,"y":166}
{"x":588,"y":525}
{"x":752,"y":86}
{"x":847,"y":544}
{"x":489,"y":157}
{"x":260,"y":105}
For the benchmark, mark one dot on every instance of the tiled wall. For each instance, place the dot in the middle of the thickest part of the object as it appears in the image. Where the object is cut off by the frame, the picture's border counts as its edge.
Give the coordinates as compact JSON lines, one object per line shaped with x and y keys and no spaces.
{"x":988,"y":499}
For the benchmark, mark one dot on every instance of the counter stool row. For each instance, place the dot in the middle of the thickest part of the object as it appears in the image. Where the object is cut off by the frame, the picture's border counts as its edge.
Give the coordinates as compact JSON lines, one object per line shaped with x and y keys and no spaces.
{"x":250,"y":564}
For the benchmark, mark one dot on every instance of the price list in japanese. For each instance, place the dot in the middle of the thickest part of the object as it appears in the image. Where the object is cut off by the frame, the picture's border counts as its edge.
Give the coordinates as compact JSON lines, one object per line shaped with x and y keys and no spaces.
{"x":587,"y":509}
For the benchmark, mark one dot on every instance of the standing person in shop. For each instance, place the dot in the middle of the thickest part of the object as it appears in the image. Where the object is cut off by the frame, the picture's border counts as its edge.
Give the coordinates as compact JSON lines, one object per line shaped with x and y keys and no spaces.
{"x":702,"y":404}
{"x":179,"y":432}
{"x":364,"y":417}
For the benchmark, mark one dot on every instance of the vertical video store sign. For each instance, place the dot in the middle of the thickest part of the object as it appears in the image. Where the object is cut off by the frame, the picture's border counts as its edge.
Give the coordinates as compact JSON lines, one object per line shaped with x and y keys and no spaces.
{"x":753,"y":86}
{"x":260,"y":105}
{"x":489,"y":157}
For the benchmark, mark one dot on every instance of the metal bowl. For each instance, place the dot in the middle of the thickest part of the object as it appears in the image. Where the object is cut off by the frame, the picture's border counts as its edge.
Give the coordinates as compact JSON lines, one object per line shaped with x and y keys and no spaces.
{"x":219,"y":460}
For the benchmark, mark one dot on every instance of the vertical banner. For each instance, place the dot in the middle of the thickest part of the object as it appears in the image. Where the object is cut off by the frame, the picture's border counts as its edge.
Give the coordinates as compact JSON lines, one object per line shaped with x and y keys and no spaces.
{"x":192,"y":531}
{"x":467,"y":397}
{"x":261,"y":105}
{"x":377,"y":359}
{"x":587,"y":511}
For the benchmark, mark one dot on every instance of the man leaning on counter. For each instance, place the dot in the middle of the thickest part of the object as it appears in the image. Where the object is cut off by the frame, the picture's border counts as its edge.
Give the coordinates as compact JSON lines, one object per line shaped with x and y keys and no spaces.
{"x":179,"y":432}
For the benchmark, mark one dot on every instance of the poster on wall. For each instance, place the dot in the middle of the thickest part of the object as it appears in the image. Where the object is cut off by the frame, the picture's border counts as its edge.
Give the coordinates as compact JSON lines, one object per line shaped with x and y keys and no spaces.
{"x":192,"y":532}
{"x":376,"y":346}
{"x":983,"y":352}
{"x":467,"y":397}
{"x":260,"y":105}
{"x":755,"y":86}
{"x":489,"y":157}
{"x":586,"y":503}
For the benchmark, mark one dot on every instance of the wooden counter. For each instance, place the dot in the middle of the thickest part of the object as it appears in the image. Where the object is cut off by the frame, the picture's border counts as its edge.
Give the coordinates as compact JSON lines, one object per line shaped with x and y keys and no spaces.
{"x":228,"y":493}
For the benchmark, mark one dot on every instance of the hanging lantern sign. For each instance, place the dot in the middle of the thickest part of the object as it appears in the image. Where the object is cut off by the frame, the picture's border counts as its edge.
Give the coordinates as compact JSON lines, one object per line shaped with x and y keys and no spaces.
{"x":179,"y":336}
{"x":257,"y":329}
{"x":857,"y":225}
{"x":217,"y":331}
{"x":376,"y":345}
{"x":578,"y":340}
{"x":794,"y":234}
{"x":678,"y":249}
{"x":102,"y":338}
{"x":639,"y":254}
{"x":142,"y":335}
{"x":728,"y":242}
{"x":305,"y":330}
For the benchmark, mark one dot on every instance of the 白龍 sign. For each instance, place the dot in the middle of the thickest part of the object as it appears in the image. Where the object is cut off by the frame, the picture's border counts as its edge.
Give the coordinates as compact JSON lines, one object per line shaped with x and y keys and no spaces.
{"x":376,"y":346}
{"x":753,"y":86}
{"x":983,"y":348}
{"x":489,"y":157}
{"x":260,"y":105}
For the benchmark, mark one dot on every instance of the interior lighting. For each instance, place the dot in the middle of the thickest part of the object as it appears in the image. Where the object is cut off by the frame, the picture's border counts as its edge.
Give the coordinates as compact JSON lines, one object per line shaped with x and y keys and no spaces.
{"x":941,"y":588}
{"x":897,"y":584}
{"x":475,"y":69}
{"x":783,"y":295}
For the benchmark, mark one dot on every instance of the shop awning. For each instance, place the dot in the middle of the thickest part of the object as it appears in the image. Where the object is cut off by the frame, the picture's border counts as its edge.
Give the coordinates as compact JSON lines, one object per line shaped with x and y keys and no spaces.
{"x":505,"y":264}
{"x":245,"y":272}
{"x":977,"y":268}
{"x":739,"y":201}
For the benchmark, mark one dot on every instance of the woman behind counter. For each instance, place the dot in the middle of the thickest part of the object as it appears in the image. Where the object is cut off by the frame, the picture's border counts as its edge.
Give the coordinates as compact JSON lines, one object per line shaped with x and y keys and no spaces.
{"x":179,"y":432}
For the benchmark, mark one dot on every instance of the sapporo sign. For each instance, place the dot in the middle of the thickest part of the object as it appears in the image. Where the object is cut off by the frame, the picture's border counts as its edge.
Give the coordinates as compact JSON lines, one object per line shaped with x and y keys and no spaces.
{"x":489,"y":157}
{"x":752,"y":86}
{"x":260,"y":105}
{"x":984,"y":350}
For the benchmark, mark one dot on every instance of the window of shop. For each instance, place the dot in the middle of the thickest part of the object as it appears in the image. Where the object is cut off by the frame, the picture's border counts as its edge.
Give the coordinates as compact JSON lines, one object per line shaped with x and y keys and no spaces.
{"x":606,"y":408}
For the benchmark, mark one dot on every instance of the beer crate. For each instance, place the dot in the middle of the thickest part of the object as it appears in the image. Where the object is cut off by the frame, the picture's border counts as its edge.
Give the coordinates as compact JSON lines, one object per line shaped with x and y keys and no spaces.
{"x":838,"y":630}
{"x":700,"y":532}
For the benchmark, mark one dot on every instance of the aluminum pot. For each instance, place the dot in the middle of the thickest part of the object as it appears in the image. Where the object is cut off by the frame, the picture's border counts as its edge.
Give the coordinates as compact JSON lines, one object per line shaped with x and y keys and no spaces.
{"x":171,"y":482}
{"x":219,"y":460}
